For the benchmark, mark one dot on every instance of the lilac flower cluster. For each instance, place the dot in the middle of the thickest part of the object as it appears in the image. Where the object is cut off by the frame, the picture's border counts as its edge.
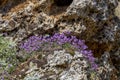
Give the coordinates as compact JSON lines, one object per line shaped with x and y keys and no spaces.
{"x":34,"y":43}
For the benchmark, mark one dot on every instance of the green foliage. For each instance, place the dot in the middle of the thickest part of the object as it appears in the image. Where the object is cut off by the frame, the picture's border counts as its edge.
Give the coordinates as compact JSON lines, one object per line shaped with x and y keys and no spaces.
{"x":69,"y":48}
{"x":7,"y":55}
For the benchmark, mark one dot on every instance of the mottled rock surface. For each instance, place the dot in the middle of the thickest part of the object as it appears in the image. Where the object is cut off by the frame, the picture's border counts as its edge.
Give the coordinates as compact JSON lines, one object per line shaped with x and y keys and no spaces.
{"x":57,"y":65}
{"x":94,"y":21}
{"x":61,"y":65}
{"x":117,"y":11}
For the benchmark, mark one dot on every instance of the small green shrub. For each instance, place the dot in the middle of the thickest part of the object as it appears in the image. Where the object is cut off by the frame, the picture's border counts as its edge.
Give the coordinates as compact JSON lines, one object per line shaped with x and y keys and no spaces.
{"x":8,"y":59}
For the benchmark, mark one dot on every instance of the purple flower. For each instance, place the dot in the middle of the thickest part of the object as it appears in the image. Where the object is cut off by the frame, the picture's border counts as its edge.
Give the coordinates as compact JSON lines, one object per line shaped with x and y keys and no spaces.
{"x":94,"y":66}
{"x":34,"y":43}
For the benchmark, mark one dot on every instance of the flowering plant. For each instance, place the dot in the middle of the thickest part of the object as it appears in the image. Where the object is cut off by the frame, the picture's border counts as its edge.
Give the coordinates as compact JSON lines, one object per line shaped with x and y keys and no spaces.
{"x":63,"y":40}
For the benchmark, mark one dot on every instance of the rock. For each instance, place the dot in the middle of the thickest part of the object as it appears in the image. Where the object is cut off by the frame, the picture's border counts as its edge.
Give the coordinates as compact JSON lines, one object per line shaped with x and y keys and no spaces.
{"x":117,"y":11}
{"x":106,"y":69}
{"x":6,"y":5}
{"x":64,"y":66}
{"x":57,"y":65}
{"x":95,"y":21}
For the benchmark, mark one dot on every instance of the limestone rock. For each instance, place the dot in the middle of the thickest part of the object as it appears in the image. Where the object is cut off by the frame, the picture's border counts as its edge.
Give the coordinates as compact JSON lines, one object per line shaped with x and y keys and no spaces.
{"x":64,"y":66}
{"x":92,"y":20}
{"x":107,"y":70}
{"x":57,"y":65}
{"x":6,"y":5}
{"x":117,"y":11}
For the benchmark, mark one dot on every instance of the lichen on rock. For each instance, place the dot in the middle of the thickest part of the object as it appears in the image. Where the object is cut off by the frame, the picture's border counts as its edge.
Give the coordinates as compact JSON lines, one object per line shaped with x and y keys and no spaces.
{"x":95,"y":21}
{"x":60,"y":65}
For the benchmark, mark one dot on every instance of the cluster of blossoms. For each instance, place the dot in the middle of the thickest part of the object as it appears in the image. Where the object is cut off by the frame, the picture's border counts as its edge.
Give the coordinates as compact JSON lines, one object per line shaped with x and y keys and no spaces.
{"x":34,"y":43}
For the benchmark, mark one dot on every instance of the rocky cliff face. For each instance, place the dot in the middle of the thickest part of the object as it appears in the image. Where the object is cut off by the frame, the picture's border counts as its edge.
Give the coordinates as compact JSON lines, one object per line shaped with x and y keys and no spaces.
{"x":91,"y":19}
{"x":94,"y":21}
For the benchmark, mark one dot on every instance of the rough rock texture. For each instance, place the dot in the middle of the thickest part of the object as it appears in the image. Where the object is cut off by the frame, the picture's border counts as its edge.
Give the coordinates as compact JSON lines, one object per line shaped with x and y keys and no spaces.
{"x":61,"y":65}
{"x":106,"y":69}
{"x":57,"y":65}
{"x":117,"y":11}
{"x":92,"y":20}
{"x":6,"y":5}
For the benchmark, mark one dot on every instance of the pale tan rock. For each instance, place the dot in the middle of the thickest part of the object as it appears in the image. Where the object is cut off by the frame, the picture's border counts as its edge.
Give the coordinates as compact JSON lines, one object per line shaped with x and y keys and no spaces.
{"x":117,"y":10}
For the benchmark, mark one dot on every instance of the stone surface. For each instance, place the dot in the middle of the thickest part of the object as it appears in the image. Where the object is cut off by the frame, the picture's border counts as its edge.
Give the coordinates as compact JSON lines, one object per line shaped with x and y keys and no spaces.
{"x":106,"y":69}
{"x":92,"y":19}
{"x":63,"y":66}
{"x":55,"y":65}
{"x":117,"y":11}
{"x":95,"y":21}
